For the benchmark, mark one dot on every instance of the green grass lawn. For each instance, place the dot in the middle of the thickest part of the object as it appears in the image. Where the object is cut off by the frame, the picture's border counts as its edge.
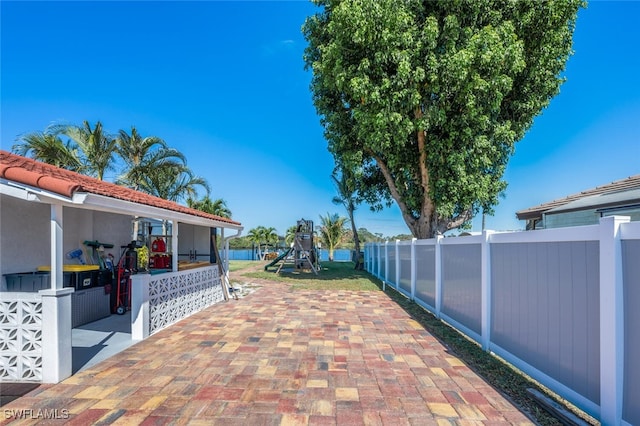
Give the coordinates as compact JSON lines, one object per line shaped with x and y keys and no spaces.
{"x":237,"y":265}
{"x":331,"y":276}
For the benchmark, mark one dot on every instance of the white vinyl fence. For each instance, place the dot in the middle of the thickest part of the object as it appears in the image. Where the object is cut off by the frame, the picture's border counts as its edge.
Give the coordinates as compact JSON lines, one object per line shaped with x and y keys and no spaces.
{"x":560,"y":304}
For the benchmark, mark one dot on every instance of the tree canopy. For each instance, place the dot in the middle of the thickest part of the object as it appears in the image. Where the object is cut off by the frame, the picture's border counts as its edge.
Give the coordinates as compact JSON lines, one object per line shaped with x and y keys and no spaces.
{"x":97,"y":146}
{"x":49,"y":148}
{"x":426,"y":99}
{"x":206,"y":204}
{"x":143,"y":155}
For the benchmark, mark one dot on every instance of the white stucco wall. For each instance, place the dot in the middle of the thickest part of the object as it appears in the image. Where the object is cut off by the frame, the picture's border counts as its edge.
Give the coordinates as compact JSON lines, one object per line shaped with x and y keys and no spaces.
{"x":24,"y":235}
{"x":25,"y":241}
{"x":114,"y":229}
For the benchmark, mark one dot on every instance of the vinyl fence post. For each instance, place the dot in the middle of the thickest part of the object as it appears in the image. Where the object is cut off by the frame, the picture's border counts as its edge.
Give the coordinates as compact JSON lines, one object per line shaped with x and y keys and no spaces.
{"x":413,"y":268}
{"x":378,"y":256}
{"x":438,"y":274}
{"x":386,"y":265}
{"x":486,"y":289}
{"x":397,"y":277}
{"x":611,"y":321}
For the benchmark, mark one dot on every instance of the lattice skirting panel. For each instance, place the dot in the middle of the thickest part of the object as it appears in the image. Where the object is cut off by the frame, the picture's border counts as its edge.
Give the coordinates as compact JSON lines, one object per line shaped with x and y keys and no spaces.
{"x":178,"y":296}
{"x":20,"y":338}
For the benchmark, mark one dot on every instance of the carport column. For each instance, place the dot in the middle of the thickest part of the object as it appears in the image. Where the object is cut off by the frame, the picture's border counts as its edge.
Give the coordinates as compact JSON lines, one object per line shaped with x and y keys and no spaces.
{"x":56,"y":334}
{"x":140,"y":306}
{"x":611,"y":321}
{"x":485,"y":281}
{"x":438,"y":274}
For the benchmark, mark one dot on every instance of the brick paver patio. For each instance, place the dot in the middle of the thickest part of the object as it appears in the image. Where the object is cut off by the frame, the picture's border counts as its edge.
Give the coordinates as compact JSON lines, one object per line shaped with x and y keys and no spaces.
{"x":279,"y":357}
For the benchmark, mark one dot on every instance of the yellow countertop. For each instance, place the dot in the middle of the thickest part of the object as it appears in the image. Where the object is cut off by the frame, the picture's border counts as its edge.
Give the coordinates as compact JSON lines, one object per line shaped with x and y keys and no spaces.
{"x":69,"y":268}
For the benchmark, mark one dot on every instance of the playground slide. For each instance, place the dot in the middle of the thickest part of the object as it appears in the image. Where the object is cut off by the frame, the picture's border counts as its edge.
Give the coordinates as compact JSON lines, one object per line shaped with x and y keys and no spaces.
{"x":277,"y":259}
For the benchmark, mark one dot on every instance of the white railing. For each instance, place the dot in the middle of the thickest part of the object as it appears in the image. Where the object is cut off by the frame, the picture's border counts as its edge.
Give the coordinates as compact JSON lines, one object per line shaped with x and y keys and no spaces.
{"x":550,"y":302}
{"x":161,"y":300}
{"x":20,"y":337}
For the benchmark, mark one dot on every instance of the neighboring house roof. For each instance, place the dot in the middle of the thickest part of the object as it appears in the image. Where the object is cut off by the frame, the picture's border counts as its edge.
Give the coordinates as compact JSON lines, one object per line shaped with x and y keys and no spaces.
{"x":617,"y":193}
{"x":66,"y":183}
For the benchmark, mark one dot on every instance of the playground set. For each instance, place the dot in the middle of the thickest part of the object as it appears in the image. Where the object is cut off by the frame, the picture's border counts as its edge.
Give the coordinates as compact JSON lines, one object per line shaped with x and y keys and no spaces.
{"x":303,"y":253}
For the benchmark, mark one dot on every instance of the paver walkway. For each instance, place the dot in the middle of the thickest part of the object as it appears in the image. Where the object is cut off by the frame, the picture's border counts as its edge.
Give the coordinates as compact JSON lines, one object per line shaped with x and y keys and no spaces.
{"x":279,"y":357}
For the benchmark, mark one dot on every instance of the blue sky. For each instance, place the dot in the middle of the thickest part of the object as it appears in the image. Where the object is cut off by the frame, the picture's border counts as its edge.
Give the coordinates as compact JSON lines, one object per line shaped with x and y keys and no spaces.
{"x":224,"y":82}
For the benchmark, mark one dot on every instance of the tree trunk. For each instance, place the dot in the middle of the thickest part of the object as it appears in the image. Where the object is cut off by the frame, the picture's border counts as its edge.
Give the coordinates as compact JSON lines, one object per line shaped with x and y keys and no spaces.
{"x":356,"y":244}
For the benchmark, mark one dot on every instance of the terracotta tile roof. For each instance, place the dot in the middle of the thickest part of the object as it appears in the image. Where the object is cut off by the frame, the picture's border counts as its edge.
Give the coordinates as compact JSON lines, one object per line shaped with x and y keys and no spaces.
{"x":66,"y":183}
{"x":628,"y":184}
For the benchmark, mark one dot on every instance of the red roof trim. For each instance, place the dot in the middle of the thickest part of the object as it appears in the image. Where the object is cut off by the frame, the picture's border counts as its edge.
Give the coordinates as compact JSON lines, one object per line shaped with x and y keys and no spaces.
{"x":66,"y":183}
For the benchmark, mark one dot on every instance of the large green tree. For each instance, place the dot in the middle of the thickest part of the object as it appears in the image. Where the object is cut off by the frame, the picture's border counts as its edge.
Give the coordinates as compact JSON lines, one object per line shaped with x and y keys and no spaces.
{"x":429,"y":97}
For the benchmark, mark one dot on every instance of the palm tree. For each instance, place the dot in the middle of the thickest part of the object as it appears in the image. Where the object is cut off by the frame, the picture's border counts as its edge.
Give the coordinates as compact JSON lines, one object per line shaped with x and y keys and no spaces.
{"x":255,"y":236}
{"x":290,"y":235}
{"x":332,"y":232}
{"x":261,"y":234}
{"x":141,"y":155}
{"x":217,"y":207}
{"x":346,"y":197}
{"x":174,"y":183}
{"x":270,"y":236}
{"x":49,"y":148}
{"x":97,"y":147}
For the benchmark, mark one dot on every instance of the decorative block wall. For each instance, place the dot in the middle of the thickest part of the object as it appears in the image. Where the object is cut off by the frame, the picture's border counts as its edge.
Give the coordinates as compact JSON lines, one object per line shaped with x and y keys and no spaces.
{"x":20,"y":338}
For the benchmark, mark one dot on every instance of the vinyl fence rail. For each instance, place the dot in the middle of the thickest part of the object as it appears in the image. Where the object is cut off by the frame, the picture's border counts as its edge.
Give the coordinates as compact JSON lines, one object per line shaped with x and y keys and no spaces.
{"x":559,"y":304}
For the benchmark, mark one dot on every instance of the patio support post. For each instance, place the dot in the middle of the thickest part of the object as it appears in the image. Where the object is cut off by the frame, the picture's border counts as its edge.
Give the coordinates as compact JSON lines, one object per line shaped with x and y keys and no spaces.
{"x":140,"y":306}
{"x":56,"y":335}
{"x":225,"y":257}
{"x":56,"y":312}
{"x":414,"y":268}
{"x":174,"y":245}
{"x":438,"y":274}
{"x":56,"y":246}
{"x":485,"y":280}
{"x":611,"y":321}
